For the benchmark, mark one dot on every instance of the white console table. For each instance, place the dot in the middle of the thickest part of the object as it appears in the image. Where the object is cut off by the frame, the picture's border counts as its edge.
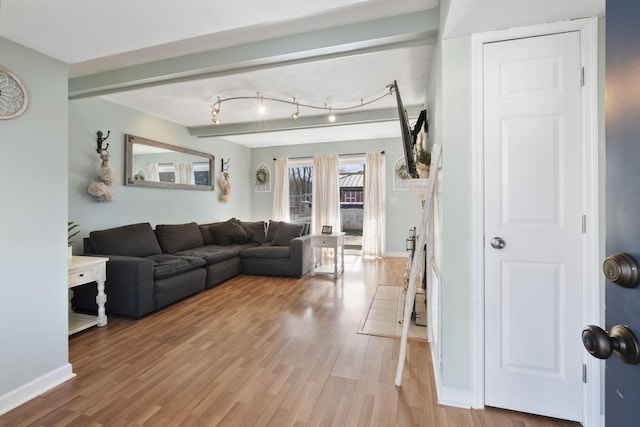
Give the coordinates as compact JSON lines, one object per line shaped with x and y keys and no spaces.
{"x":333,"y":240}
{"x":86,"y":269}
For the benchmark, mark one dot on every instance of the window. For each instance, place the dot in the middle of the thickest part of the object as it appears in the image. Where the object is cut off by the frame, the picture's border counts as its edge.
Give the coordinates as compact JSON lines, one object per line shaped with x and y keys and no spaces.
{"x":300,"y":188}
{"x":351,"y":200}
{"x":351,"y":180}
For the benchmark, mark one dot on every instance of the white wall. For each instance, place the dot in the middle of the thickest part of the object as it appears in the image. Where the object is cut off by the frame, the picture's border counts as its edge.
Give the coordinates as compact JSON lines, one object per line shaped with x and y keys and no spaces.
{"x":33,"y":232}
{"x":403,"y":208}
{"x":140,"y":204}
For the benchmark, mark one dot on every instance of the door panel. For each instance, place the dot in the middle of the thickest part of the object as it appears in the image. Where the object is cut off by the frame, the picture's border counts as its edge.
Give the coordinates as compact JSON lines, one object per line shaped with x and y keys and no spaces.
{"x":527,"y":286}
{"x":622,"y":381}
{"x":530,"y":148}
{"x":533,"y":200}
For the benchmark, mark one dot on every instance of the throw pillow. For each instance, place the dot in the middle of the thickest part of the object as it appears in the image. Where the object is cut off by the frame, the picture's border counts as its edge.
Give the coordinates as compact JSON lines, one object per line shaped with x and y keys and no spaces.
{"x":178,"y":237}
{"x":306,"y":229}
{"x":285,"y":233}
{"x":257,"y":228}
{"x":246,"y":229}
{"x":228,"y":232}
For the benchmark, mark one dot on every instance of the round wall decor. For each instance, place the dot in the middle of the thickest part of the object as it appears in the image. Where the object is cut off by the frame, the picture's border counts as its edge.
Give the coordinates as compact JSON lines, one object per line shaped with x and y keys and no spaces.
{"x":13,"y":95}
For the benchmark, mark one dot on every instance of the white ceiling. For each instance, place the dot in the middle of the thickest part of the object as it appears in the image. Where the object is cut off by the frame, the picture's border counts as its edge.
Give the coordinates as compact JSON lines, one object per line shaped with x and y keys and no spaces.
{"x":97,"y":36}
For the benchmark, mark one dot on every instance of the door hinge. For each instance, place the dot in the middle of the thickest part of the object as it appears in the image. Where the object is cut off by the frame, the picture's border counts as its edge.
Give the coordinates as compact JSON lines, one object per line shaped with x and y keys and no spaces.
{"x":584,"y":224}
{"x":584,"y":373}
{"x":582,"y":76}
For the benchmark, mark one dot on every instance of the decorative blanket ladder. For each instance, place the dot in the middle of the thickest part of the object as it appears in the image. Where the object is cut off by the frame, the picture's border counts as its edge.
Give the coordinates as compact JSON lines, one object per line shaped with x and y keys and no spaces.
{"x":423,"y":188}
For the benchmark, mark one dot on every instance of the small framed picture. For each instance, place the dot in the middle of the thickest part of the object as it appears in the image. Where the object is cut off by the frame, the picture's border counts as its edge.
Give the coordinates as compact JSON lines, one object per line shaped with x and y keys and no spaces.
{"x":326,"y":229}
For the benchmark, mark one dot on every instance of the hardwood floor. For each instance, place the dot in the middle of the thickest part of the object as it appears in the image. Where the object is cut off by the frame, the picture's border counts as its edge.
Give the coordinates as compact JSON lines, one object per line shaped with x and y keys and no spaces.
{"x":255,"y":351}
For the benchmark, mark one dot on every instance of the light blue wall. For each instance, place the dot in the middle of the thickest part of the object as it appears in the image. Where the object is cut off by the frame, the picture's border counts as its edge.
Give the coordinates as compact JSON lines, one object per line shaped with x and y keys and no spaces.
{"x":403,"y":208}
{"x":33,"y":233}
{"x":139,"y":204}
{"x":456,"y":296}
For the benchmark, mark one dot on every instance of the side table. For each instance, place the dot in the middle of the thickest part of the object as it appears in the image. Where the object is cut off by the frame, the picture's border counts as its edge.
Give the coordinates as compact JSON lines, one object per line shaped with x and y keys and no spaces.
{"x":334,"y":241}
{"x":87,"y":269}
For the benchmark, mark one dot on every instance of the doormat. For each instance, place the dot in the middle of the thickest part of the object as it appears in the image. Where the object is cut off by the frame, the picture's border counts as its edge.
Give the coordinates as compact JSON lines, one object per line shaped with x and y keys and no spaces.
{"x":383,"y":315}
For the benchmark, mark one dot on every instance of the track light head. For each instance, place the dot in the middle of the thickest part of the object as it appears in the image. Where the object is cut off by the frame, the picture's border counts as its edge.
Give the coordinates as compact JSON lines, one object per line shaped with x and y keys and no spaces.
{"x":332,"y":117}
{"x":215,"y":110}
{"x":295,"y":114}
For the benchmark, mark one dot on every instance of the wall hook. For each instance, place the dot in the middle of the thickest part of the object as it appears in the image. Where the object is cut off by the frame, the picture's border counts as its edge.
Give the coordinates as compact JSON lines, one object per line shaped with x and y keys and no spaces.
{"x":224,"y":166}
{"x":101,"y":140}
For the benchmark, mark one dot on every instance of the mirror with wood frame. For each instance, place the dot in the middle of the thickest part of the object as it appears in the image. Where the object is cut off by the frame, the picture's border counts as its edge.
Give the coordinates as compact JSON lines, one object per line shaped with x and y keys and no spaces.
{"x":156,"y":164}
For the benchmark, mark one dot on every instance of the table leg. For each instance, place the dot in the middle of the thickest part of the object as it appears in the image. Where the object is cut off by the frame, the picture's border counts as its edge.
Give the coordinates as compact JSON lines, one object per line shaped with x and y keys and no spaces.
{"x":342,"y":256}
{"x":335,"y":261}
{"x":101,"y":299}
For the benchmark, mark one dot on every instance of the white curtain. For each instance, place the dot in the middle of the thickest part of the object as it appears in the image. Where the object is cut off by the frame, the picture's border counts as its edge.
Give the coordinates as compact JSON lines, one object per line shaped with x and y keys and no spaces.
{"x":373,"y":221}
{"x":281,"y":191}
{"x":184,"y":173}
{"x":326,"y":193}
{"x":152,"y":169}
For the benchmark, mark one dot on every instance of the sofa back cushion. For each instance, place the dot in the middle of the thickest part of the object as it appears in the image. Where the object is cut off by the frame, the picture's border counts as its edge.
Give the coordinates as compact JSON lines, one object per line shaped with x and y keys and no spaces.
{"x":285,"y":232}
{"x":228,"y":232}
{"x":207,"y":237}
{"x":136,"y":240}
{"x":179,"y":237}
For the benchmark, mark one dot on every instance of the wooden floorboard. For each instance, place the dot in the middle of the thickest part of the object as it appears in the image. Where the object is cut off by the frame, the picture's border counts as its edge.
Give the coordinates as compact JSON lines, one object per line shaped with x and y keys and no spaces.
{"x":256,"y":351}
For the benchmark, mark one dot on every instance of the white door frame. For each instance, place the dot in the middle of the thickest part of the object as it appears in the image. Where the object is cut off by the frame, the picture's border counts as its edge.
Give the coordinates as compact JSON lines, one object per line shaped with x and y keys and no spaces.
{"x":588,"y":29}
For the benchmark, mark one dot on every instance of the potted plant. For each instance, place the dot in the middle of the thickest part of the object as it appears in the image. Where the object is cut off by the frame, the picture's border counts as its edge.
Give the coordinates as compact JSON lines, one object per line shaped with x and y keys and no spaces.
{"x":423,"y":162}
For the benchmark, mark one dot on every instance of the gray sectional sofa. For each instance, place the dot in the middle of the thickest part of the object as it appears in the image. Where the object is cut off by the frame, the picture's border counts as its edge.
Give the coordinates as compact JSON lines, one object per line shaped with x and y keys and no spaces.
{"x":149,"y":269}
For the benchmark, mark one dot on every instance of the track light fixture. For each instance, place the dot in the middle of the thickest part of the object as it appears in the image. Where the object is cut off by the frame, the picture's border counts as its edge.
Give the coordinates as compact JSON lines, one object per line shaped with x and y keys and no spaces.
{"x":216,"y":106}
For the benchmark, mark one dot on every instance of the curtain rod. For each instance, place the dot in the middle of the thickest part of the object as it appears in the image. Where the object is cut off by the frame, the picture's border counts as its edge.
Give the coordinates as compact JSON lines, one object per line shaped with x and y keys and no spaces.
{"x":343,"y":154}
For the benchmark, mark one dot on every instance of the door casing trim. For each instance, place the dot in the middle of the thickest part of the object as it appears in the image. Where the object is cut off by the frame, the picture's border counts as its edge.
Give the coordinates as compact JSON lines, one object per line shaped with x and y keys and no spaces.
{"x":593,"y":282}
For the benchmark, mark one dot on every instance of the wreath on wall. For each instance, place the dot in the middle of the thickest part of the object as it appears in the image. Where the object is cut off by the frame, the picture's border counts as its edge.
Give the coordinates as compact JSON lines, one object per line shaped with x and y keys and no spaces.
{"x":262,"y":176}
{"x":402,"y":172}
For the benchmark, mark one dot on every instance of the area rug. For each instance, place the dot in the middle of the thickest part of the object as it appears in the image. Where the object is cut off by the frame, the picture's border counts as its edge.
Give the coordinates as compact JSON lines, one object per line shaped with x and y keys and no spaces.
{"x":383,"y":316}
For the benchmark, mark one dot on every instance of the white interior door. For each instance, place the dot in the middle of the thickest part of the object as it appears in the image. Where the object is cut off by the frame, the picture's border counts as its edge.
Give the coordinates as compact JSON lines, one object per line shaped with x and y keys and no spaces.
{"x":534,"y":203}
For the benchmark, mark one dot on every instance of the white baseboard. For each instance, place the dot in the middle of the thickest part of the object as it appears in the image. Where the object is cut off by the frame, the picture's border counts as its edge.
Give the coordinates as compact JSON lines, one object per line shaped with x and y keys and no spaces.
{"x":449,"y":396}
{"x":453,"y":397}
{"x":35,"y":388}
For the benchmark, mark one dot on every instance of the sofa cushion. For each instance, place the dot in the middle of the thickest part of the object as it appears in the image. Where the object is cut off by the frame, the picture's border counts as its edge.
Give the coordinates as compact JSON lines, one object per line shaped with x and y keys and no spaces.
{"x":228,"y":232}
{"x":178,"y":237}
{"x":165,"y":265}
{"x":212,"y":253}
{"x":136,"y":240}
{"x":286,"y":231}
{"x":266,"y":251}
{"x":207,"y":237}
{"x":257,"y":228}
